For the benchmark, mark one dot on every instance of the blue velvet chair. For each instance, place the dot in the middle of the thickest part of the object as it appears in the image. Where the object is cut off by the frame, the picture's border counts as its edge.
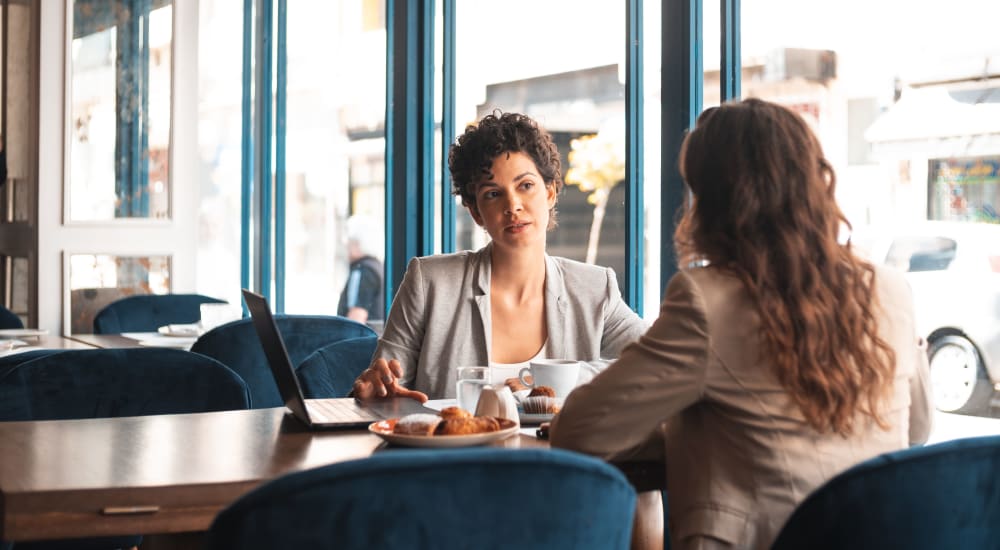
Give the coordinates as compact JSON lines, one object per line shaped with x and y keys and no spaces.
{"x":237,"y":346}
{"x":147,"y":312}
{"x":101,"y":383}
{"x":940,"y":496}
{"x":427,"y":499}
{"x":9,"y":320}
{"x":331,"y":370}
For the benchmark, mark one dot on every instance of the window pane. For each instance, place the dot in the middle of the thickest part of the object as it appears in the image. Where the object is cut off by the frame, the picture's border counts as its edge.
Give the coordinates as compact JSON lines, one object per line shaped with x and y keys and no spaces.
{"x":335,"y":166}
{"x":570,"y":78}
{"x":220,"y":77}
{"x":911,"y":122}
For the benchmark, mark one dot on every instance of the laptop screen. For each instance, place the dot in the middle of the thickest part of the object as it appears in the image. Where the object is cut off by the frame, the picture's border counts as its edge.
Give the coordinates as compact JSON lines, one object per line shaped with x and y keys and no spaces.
{"x":277,"y":355}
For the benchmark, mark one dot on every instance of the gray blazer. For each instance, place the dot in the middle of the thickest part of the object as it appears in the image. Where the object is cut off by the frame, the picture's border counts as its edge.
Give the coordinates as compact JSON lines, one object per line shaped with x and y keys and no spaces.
{"x":696,"y":390}
{"x":440,"y":317}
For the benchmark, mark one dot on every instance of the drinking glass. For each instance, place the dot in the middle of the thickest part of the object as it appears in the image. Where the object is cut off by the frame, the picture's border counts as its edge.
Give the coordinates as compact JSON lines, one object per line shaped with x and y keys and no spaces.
{"x":471,"y":381}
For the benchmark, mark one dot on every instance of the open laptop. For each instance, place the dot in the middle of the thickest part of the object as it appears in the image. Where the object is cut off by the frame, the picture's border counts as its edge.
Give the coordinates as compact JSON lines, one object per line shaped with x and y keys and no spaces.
{"x":317,"y":413}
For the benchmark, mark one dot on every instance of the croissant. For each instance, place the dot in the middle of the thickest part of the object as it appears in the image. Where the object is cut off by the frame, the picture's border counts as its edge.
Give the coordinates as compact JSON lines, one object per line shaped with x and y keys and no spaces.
{"x":455,"y":412}
{"x":465,"y":426}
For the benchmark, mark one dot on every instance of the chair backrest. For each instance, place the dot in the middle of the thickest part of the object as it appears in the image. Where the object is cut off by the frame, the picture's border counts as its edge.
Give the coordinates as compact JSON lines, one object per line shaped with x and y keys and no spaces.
{"x":100,"y":383}
{"x":451,"y":498}
{"x":237,"y":346}
{"x":147,"y":312}
{"x":331,"y":370}
{"x":940,"y":496}
{"x":9,"y":320}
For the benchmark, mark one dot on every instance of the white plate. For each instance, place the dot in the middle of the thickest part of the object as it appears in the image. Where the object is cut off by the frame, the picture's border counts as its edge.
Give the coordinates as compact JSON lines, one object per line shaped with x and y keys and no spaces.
{"x":383,"y":429}
{"x":22,"y":332}
{"x":526,"y":418}
{"x":182,"y":331}
{"x":177,"y":343}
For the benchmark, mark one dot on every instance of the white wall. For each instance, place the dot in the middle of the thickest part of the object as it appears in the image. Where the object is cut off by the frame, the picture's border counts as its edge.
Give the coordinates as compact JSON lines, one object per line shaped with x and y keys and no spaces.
{"x":176,"y":237}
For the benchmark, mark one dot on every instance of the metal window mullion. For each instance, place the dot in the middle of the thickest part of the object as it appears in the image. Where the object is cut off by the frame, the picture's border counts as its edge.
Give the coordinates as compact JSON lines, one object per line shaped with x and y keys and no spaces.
{"x":730,"y":61}
{"x":681,"y":86}
{"x":262,"y":149}
{"x":141,"y":200}
{"x":447,"y":123}
{"x":634,"y":222}
{"x":279,"y":157}
{"x":409,"y":148}
{"x":247,"y":152}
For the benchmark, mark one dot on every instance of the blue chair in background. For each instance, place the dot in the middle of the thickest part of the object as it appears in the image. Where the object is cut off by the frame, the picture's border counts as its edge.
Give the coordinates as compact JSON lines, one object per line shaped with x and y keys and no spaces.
{"x":237,"y":346}
{"x":940,"y":496}
{"x":9,"y":320}
{"x":331,"y":370}
{"x":456,"y":498}
{"x":100,"y":383}
{"x":148,"y":312}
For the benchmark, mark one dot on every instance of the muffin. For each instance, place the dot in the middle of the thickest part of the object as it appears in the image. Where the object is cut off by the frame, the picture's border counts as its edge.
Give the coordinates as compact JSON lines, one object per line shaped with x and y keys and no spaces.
{"x":417,"y":424}
{"x":542,"y":391}
{"x":541,"y":404}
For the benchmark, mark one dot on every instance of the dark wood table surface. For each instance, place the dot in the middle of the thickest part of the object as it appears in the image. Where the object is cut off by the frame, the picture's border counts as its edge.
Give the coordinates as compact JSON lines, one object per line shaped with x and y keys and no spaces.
{"x":169,"y":473}
{"x":104,"y":340}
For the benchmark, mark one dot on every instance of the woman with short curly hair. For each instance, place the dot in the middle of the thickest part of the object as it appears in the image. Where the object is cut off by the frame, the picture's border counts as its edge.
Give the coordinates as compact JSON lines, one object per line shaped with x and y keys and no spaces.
{"x":509,"y":302}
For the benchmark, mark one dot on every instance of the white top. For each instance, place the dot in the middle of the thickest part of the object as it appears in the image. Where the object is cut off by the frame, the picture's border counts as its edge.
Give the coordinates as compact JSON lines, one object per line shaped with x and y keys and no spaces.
{"x":499,"y":372}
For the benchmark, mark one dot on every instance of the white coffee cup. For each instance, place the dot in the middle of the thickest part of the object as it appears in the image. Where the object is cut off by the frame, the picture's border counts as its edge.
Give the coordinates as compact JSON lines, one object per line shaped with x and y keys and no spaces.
{"x":215,"y":314}
{"x":558,"y":374}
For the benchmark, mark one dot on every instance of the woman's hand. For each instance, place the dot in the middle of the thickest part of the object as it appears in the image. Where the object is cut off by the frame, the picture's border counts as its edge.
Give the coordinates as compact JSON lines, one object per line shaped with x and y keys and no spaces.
{"x":381,"y":379}
{"x":515,"y":384}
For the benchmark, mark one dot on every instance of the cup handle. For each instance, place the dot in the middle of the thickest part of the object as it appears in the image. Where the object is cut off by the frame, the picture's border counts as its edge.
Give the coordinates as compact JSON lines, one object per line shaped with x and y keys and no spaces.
{"x":520,"y":376}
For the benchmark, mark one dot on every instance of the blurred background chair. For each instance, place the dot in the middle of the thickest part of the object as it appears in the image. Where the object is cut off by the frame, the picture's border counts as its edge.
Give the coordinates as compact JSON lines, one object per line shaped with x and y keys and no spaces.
{"x":147,"y":312}
{"x":102,"y":383}
{"x":9,"y":320}
{"x":940,"y":496}
{"x":331,"y":370}
{"x":237,"y":346}
{"x":454,"y":498}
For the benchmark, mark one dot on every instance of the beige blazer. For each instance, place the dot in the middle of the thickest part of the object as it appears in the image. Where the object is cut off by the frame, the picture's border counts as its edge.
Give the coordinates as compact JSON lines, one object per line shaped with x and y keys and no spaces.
{"x":739,"y":453}
{"x":440,"y":318}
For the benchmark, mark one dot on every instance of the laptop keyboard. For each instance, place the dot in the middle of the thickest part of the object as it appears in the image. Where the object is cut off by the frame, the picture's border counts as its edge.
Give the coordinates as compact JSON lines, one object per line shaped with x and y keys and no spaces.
{"x":338,"y":410}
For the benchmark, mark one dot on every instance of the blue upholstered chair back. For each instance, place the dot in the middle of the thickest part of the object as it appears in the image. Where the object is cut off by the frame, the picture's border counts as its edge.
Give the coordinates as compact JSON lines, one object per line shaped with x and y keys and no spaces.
{"x":9,"y":320}
{"x":454,"y":498}
{"x":940,"y":496}
{"x":331,"y":370}
{"x":147,"y":312}
{"x":237,"y":346}
{"x":98,"y":383}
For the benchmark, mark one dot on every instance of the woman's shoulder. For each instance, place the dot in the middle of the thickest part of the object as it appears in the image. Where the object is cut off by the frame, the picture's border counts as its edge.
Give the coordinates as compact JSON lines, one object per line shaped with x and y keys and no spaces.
{"x":574,"y":271}
{"x":445,"y":265}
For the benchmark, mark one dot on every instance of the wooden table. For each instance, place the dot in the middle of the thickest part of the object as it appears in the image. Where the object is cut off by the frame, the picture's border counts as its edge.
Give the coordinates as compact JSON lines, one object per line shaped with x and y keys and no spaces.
{"x":168,"y":473}
{"x":104,"y":340}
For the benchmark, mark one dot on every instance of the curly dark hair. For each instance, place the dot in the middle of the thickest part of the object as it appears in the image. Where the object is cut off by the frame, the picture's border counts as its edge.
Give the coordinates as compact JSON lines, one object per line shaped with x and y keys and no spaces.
{"x":471,"y":157}
{"x":765,"y":210}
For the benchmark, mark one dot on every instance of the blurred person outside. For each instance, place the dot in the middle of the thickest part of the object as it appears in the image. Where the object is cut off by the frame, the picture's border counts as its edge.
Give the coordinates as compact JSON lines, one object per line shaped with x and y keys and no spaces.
{"x":362,"y":298}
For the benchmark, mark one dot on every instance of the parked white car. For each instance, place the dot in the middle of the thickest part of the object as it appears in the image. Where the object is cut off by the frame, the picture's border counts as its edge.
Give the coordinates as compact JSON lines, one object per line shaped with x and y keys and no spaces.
{"x":954,"y":271}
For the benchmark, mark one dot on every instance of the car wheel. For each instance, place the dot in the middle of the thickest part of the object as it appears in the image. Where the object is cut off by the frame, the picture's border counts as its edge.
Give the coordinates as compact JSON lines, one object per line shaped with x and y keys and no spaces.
{"x":958,"y":376}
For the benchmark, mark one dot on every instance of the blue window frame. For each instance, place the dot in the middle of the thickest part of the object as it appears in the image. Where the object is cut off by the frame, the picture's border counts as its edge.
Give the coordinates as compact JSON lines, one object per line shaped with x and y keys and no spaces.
{"x":410,"y":130}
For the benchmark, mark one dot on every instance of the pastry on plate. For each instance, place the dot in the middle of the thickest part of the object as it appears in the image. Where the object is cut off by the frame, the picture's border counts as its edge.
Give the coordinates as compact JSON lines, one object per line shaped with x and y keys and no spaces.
{"x":542,"y":391}
{"x":455,"y":412}
{"x":417,"y":424}
{"x":466,"y":426}
{"x":541,"y":405}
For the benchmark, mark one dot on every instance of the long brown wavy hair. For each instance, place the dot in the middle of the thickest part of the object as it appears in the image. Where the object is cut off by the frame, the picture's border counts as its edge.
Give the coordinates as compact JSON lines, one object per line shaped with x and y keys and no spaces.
{"x":763,"y":209}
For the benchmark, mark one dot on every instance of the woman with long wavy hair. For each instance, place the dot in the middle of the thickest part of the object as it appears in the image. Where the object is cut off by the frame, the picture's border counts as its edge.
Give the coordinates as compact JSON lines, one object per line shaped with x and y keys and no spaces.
{"x":779,"y":358}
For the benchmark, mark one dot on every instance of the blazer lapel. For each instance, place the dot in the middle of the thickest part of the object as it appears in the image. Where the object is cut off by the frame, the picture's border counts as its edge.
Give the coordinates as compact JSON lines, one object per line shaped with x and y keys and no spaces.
{"x":555,"y":311}
{"x":481,"y":297}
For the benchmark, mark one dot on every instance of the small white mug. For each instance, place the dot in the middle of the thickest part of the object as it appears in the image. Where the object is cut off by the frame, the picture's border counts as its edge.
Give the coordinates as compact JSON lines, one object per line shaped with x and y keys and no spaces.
{"x":214,"y":314}
{"x":558,"y":374}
